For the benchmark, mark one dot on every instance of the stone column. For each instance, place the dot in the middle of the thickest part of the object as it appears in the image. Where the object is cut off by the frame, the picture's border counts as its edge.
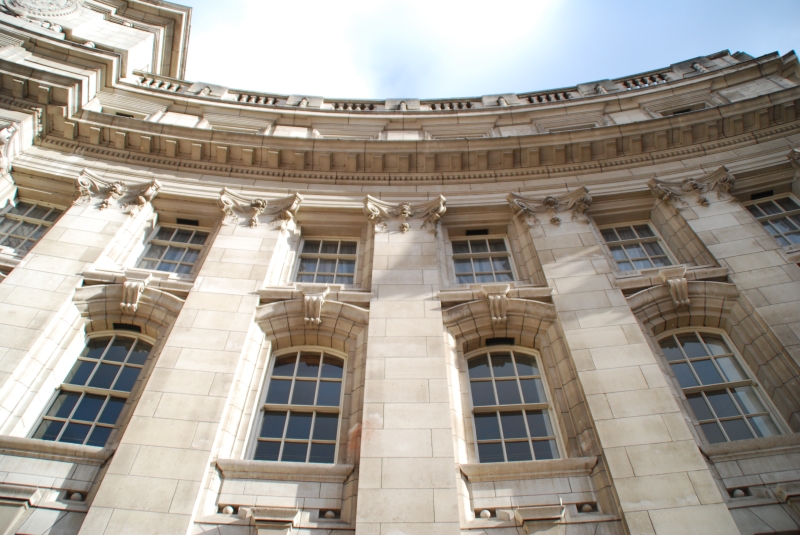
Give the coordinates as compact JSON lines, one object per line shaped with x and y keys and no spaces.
{"x":661,"y":480}
{"x":154,"y":481}
{"x":406,"y":480}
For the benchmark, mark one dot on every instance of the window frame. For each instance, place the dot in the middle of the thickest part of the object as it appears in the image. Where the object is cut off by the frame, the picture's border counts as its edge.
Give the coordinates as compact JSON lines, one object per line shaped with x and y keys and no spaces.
{"x":657,"y":238}
{"x":545,"y":407}
{"x":453,"y":256}
{"x":791,"y":247}
{"x":262,"y":406}
{"x":326,"y":256}
{"x":84,"y":390}
{"x":203,"y":249}
{"x":751,"y":381}
{"x":4,"y":213}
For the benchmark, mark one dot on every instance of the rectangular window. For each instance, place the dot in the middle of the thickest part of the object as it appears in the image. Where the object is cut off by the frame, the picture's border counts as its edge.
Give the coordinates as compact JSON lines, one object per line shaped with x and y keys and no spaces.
{"x":24,"y":223}
{"x":327,"y":261}
{"x":174,"y":248}
{"x":482,"y":260}
{"x":780,"y":216}
{"x":635,"y":247}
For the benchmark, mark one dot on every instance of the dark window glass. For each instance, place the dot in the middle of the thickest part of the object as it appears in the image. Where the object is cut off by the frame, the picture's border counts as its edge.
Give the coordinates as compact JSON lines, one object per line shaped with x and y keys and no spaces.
{"x":279,"y":391}
{"x":272,"y":425}
{"x":267,"y":451}
{"x":518,"y":451}
{"x":294,"y":452}
{"x":325,"y":426}
{"x":491,"y":452}
{"x":322,"y":453}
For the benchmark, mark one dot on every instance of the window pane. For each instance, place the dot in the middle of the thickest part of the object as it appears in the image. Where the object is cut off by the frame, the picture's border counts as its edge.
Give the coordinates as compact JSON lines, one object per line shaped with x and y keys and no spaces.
{"x":346,"y":266}
{"x":626,"y":233}
{"x":272,"y":424}
{"x":294,"y":452}
{"x":127,"y":379}
{"x":722,"y":404}
{"x":7,"y":224}
{"x":89,"y":408}
{"x":156,"y":251}
{"x":545,"y":449}
{"x":691,"y":345}
{"x":308,"y":265}
{"x":308,"y":366}
{"x":48,"y":430}
{"x":753,"y":209}
{"x":782,"y":224}
{"x":787,"y":204}
{"x":460,"y":247}
{"x":21,"y":208}
{"x":513,"y":425}
{"x":485,"y":278}
{"x":63,"y":405}
{"x":332,"y":367}
{"x":104,"y":376}
{"x":342,"y":279}
{"x":635,"y":251}
{"x":347,"y":247}
{"x":326,"y":266}
{"x":748,"y":400}
{"x":468,"y":279}
{"x":95,"y":347}
{"x":508,"y":392}
{"x":491,"y":452}
{"x":653,"y":249}
{"x":99,"y":436}
{"x":642,"y":264}
{"x":730,"y":368}
{"x":278,"y":391}
{"x":311,"y":246}
{"x":140,"y":353}
{"x":148,"y":264}
{"x":182,"y":236}
{"x":299,"y":425}
{"x":329,"y":393}
{"x":713,"y":433}
{"x":662,"y":261}
{"x":539,"y":424}
{"x":479,"y":246}
{"x":501,"y":263}
{"x":625,"y":266}
{"x":671,"y":350}
{"x":303,"y":393}
{"x":737,"y":429}
{"x":526,"y":365}
{"x":482,"y":393}
{"x":644,"y":231}
{"x":80,"y":373}
{"x":518,"y":451}
{"x":284,"y":366}
{"x":533,"y":390}
{"x":486,"y":426}
{"x":325,"y":426}
{"x":706,"y":371}
{"x":267,"y":451}
{"x":167,"y":267}
{"x":174,"y":253}
{"x":322,"y":453}
{"x":497,"y":246}
{"x":618,"y":254}
{"x":769,"y":208}
{"x":764,"y":426}
{"x":329,"y":247}
{"x":715,"y":344}
{"x":25,"y":229}
{"x":502,"y":365}
{"x":112,"y":411}
{"x":482,"y":265}
{"x":684,"y":375}
{"x":191,"y":256}
{"x":75,"y":433}
{"x":699,"y":407}
{"x":609,"y":235}
{"x":478,"y":368}
{"x":119,"y":349}
{"x":199,"y":238}
{"x":164,"y":234}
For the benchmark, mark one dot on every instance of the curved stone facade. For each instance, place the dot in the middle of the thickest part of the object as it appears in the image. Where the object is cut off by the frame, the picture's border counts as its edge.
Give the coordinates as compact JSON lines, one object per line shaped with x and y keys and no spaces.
{"x":572,"y":311}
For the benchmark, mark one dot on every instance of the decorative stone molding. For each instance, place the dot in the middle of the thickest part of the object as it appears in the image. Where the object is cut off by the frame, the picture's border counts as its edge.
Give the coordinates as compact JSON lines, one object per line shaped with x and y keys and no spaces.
{"x":497,"y":295}
{"x":527,"y":470}
{"x":380,"y":212}
{"x":675,"y":280}
{"x":6,"y":135}
{"x":131,"y":292}
{"x":43,"y":8}
{"x":794,"y":159}
{"x":720,"y":181}
{"x":284,"y":210}
{"x":278,"y":471}
{"x":56,"y":451}
{"x":146,"y":196}
{"x":541,"y":519}
{"x":277,"y":520}
{"x":89,"y":184}
{"x":578,"y":202}
{"x":313,"y":299}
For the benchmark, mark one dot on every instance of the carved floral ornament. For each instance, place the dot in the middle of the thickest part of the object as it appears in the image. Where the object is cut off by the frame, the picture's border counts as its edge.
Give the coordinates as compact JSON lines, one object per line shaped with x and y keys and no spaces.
{"x":577,"y":202}
{"x":42,"y":8}
{"x":720,"y":181}
{"x":794,"y":159}
{"x":284,"y":210}
{"x":380,"y":212}
{"x":115,"y":194}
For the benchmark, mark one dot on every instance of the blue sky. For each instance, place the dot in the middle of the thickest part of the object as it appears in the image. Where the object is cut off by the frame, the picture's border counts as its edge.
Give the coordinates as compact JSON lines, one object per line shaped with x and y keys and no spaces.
{"x":444,"y":48}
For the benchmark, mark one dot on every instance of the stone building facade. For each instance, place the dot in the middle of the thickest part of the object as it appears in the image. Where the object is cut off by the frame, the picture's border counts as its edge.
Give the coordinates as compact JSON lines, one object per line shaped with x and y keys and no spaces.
{"x":226,"y":312}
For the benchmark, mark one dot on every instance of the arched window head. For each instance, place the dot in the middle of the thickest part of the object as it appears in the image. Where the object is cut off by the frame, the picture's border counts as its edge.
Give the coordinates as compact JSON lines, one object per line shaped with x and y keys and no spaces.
{"x":510,"y":408}
{"x":726,"y":402}
{"x":89,"y":402}
{"x":302,"y":408}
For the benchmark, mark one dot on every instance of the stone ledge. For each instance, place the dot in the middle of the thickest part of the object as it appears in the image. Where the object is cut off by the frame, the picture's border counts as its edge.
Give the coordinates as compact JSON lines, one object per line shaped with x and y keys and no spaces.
{"x":337,"y":292}
{"x":753,"y":447}
{"x":277,"y":471}
{"x":651,"y":277}
{"x":475,"y":293}
{"x":576,"y":466}
{"x":53,"y":451}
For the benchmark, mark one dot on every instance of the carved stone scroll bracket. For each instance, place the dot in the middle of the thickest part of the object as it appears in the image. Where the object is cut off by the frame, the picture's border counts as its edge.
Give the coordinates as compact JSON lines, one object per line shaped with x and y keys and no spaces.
{"x":313,"y":299}
{"x":794,"y":159}
{"x":6,"y":142}
{"x":675,"y":280}
{"x":381,"y":212}
{"x":497,"y":295}
{"x":144,"y":197}
{"x":721,"y":180}
{"x":577,"y":202}
{"x":540,"y":519}
{"x":89,"y":184}
{"x":132,"y":289}
{"x":284,"y":209}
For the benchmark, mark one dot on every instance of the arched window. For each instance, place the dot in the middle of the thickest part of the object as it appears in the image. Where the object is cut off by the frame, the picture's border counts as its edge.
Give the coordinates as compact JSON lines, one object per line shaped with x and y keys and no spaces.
{"x":89,"y":402}
{"x":302,"y":405}
{"x":727,"y":403}
{"x":510,"y":407}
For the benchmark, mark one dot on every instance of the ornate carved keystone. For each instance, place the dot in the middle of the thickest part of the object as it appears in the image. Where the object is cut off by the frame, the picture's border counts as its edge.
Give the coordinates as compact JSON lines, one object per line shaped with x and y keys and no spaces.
{"x":313,"y":299}
{"x":720,"y":181}
{"x":132,"y":291}
{"x":497,"y":295}
{"x":380,"y":212}
{"x":577,"y":202}
{"x":284,"y":209}
{"x":678,"y":285}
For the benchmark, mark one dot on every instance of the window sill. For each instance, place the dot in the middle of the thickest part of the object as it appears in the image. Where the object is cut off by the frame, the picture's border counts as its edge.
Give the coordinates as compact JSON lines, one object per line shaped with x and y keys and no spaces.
{"x":474,"y":292}
{"x":155,"y":279}
{"x":631,"y":282}
{"x":54,"y":451}
{"x":753,"y":447}
{"x":575,"y":466}
{"x":277,"y":471}
{"x":338,"y":292}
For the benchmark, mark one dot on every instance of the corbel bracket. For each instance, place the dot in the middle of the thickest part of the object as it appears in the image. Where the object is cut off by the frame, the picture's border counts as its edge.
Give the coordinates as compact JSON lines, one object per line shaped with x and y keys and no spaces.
{"x":380,"y":212}
{"x":721,"y":180}
{"x":541,"y":519}
{"x":497,"y":295}
{"x":6,"y":137}
{"x":284,"y":209}
{"x":675,"y":280}
{"x":313,"y":300}
{"x":578,"y":202}
{"x":89,"y":184}
{"x":794,"y":159}
{"x":131,"y":293}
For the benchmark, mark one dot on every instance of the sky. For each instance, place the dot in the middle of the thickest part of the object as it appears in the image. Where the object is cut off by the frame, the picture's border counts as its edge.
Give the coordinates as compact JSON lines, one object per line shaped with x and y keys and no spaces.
{"x":443,"y":48}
